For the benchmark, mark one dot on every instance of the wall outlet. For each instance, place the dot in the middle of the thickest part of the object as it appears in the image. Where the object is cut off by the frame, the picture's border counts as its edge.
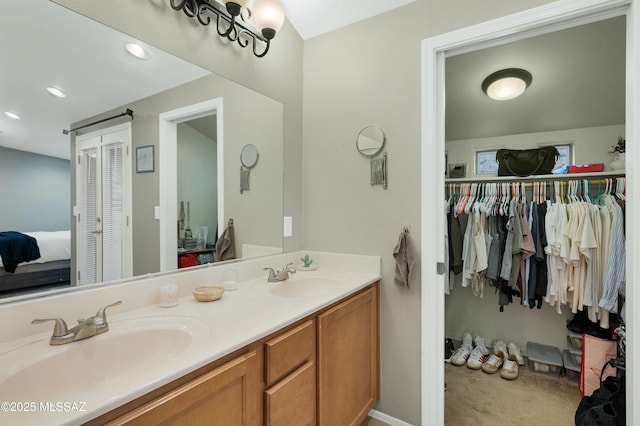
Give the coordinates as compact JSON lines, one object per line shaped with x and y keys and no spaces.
{"x":288,"y":226}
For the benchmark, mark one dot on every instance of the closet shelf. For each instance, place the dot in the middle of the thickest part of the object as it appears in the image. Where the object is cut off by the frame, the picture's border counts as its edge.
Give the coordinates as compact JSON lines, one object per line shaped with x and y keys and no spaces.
{"x":569,"y":176}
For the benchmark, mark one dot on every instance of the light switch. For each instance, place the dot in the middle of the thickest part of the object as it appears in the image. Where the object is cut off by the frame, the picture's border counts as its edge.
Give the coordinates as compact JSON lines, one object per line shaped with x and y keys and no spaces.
{"x":288,"y":226}
{"x":156,"y":212}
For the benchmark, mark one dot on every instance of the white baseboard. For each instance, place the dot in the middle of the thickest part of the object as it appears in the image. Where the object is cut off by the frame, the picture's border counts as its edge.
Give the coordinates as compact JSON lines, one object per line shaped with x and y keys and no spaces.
{"x":387,"y":419}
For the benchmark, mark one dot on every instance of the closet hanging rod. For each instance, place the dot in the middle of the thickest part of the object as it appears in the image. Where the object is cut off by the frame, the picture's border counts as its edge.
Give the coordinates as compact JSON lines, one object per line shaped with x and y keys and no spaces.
{"x":530,"y":184}
{"x":537,"y":178}
{"x":127,"y":112}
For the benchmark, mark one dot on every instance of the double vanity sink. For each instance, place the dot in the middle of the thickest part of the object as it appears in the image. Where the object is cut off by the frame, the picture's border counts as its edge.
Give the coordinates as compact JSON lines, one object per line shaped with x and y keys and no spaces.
{"x":149,"y":346}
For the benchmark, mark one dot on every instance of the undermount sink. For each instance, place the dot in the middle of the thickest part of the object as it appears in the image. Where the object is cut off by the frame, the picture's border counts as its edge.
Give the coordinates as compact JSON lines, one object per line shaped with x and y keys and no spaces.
{"x":132,"y":347}
{"x":303,"y":286}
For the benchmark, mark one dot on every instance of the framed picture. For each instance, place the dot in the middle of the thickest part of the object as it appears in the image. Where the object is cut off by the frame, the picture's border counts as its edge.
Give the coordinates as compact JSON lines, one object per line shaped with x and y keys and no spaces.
{"x":144,"y":159}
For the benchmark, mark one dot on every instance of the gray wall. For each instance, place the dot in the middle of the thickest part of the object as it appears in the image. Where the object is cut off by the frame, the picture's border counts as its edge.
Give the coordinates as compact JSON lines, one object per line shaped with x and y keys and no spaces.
{"x":369,"y":73}
{"x":34,"y":193}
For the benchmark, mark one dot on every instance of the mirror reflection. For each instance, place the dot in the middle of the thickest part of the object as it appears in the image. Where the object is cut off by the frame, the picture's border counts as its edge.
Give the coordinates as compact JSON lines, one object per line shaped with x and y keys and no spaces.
{"x":46,"y":195}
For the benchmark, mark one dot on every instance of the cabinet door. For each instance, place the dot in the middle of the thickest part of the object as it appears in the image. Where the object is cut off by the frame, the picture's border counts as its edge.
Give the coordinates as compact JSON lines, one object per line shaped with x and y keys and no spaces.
{"x":292,"y":400}
{"x":348,"y":360}
{"x":227,"y":395}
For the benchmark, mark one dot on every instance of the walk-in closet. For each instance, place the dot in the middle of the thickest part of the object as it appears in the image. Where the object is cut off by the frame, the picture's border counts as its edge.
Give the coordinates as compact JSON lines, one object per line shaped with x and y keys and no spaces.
{"x":521,"y":294}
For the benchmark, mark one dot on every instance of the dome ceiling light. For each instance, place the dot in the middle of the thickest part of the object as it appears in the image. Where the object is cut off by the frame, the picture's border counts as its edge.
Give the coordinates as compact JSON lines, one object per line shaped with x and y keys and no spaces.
{"x":507,"y":84}
{"x":235,"y":22}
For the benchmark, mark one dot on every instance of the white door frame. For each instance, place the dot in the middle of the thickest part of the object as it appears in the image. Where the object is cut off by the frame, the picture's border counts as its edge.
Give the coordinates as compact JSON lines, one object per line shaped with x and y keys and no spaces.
{"x":168,"y":143}
{"x":550,"y":17}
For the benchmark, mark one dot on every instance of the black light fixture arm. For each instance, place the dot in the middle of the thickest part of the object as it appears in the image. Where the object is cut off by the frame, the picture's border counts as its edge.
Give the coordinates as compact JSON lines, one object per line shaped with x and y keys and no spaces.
{"x":227,"y":23}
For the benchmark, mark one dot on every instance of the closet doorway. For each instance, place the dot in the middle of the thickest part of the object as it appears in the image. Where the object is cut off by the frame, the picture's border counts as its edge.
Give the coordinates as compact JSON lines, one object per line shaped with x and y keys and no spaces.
{"x":103,"y":205}
{"x":545,"y":19}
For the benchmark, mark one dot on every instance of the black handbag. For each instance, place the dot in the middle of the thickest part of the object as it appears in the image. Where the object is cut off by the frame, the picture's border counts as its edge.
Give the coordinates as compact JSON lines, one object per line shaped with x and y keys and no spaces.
{"x":526,"y":162}
{"x":606,"y":405}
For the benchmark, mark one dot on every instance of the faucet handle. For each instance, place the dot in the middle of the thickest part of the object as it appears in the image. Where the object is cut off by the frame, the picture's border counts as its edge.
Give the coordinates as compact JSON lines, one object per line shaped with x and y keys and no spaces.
{"x":102,"y":311}
{"x":59,"y":329}
{"x":272,"y":273}
{"x":289,"y":268}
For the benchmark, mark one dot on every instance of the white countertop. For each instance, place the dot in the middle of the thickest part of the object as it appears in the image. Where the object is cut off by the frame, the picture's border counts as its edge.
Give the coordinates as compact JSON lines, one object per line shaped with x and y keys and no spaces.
{"x":241,"y":317}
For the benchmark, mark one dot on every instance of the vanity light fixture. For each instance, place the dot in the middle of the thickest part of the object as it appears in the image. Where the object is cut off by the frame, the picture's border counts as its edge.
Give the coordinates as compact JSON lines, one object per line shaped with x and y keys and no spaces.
{"x":236,"y":22}
{"x":507,"y":83}
{"x":12,"y":115}
{"x":136,"y":50}
{"x":56,"y":92}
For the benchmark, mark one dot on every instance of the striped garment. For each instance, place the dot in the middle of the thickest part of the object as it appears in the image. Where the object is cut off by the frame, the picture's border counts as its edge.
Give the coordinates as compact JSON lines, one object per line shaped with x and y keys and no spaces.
{"x":615,"y":278}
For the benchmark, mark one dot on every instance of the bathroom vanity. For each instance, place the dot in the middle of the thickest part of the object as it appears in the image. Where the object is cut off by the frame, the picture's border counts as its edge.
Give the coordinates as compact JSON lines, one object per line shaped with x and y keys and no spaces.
{"x":304,"y":351}
{"x":275,"y":380}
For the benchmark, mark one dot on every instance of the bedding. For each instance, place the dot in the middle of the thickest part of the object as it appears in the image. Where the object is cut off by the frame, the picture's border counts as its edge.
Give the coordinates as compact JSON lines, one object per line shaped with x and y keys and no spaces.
{"x":51,"y":269}
{"x":53,"y":245}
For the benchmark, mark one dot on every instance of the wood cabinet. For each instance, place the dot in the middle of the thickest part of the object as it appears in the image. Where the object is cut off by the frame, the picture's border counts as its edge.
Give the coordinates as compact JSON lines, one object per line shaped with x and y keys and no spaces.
{"x":290,"y":377}
{"x":224,"y":396}
{"x":321,"y":370}
{"x":348,"y":360}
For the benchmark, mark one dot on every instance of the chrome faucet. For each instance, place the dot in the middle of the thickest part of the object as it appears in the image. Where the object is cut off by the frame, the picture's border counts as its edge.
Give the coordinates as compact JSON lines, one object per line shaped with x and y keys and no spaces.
{"x":86,"y":327}
{"x":281,"y":275}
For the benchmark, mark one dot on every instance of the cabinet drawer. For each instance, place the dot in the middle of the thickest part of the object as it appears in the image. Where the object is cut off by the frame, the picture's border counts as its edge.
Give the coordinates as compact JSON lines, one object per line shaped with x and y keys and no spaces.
{"x":289,"y":351}
{"x":292,"y":401}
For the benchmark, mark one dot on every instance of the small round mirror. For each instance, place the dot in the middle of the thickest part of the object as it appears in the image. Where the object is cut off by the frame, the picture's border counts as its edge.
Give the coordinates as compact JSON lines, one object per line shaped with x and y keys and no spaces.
{"x":249,"y":156}
{"x":370,"y":141}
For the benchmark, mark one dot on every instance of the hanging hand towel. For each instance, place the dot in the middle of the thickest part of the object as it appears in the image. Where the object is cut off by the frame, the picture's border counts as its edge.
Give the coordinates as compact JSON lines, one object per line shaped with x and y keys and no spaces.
{"x":225,"y":246}
{"x":405,"y":256}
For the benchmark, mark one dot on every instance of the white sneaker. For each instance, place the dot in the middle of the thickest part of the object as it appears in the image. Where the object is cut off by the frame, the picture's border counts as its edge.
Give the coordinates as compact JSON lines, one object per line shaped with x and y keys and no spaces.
{"x":476,"y":358}
{"x":515,"y":351}
{"x":467,"y":340}
{"x":461,"y":355}
{"x":493,"y":364}
{"x":510,"y":368}
{"x":479,"y":342}
{"x":500,"y":346}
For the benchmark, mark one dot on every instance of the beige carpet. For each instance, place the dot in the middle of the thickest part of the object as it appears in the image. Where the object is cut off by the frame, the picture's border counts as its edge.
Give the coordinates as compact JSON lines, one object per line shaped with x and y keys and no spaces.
{"x":476,"y":398}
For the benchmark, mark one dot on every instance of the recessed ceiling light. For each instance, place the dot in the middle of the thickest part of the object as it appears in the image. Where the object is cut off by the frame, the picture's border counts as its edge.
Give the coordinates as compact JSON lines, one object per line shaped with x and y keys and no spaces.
{"x":56,"y":92}
{"x":506,"y":84}
{"x":12,"y":115}
{"x":136,"y":50}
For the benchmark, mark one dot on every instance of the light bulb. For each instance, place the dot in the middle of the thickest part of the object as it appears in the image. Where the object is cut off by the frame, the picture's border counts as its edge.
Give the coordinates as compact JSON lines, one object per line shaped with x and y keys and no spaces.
{"x":268,"y":17}
{"x":506,"y":88}
{"x":56,"y":92}
{"x":136,"y":50}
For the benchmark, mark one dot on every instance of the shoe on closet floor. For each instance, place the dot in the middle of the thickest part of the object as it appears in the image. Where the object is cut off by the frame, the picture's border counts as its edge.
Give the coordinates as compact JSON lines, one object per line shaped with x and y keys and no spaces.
{"x":510,"y":368}
{"x":493,"y":364}
{"x":479,"y":341}
{"x":461,"y":355}
{"x":514,"y":350}
{"x":500,"y":346}
{"x":476,"y":358}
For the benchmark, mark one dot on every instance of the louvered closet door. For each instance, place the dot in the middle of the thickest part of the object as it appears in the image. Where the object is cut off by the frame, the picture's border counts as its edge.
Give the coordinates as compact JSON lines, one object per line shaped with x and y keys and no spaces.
{"x":102,"y":222}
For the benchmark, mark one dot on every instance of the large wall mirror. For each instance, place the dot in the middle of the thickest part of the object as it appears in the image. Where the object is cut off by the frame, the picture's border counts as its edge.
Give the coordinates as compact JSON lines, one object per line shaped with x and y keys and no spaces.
{"x":43,"y":160}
